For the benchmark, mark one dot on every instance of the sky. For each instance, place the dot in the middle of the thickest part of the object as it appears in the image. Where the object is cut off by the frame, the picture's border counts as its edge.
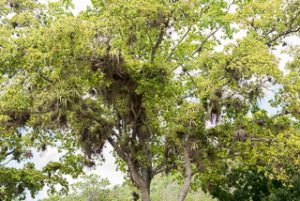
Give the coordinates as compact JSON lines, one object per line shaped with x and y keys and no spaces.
{"x":108,"y":168}
{"x":80,"y":5}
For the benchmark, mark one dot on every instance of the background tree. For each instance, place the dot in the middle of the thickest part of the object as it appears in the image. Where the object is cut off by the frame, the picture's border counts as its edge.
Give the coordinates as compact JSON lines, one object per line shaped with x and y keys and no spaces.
{"x":162,"y":189}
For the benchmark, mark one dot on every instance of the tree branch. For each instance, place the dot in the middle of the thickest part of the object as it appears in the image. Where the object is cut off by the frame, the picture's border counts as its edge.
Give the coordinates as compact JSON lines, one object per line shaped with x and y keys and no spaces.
{"x":199,"y":49}
{"x":158,"y":40}
{"x":178,"y":43}
{"x":192,"y":79}
{"x":262,"y":121}
{"x":187,"y":171}
{"x":130,"y":164}
{"x":159,"y":169}
{"x":9,"y":153}
{"x":284,"y":34}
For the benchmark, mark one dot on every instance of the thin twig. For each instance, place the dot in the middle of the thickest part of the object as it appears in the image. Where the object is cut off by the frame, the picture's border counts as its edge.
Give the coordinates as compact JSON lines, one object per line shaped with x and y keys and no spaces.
{"x":178,"y":43}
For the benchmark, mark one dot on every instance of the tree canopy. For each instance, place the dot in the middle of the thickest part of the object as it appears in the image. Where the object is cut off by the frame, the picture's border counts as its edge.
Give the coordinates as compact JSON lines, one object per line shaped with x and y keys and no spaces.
{"x":174,"y":86}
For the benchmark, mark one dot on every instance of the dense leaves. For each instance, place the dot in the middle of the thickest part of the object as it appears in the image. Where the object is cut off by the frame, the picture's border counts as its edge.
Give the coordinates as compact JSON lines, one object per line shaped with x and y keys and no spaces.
{"x":172,"y":86}
{"x":254,"y":185}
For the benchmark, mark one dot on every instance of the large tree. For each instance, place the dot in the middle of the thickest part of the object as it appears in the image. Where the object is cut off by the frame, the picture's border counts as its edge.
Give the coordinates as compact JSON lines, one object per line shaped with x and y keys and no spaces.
{"x":146,"y":77}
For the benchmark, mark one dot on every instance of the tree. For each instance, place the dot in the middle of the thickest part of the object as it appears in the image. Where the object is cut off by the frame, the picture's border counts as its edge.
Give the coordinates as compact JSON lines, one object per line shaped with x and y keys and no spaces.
{"x":253,"y":184}
{"x":91,"y":188}
{"x":145,"y":76}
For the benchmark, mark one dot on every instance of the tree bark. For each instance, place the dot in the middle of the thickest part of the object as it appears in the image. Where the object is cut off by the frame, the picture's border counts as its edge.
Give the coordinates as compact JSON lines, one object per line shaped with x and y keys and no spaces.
{"x":141,"y":181}
{"x":146,"y":193}
{"x":187,"y":173}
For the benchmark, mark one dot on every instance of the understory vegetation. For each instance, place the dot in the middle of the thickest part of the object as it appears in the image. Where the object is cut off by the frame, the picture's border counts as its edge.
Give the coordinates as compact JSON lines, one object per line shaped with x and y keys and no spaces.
{"x":93,"y":188}
{"x":238,"y":186}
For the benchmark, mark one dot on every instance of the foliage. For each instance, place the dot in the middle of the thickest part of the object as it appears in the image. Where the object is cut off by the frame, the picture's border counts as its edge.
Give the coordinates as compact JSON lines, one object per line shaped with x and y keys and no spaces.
{"x":254,"y":185}
{"x":14,"y":182}
{"x":147,"y":77}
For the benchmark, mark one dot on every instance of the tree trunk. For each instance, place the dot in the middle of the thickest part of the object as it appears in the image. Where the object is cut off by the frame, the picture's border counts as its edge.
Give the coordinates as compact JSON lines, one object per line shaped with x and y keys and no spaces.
{"x":142,"y":182}
{"x":187,"y":173}
{"x":141,"y":172}
{"x":145,"y":193}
